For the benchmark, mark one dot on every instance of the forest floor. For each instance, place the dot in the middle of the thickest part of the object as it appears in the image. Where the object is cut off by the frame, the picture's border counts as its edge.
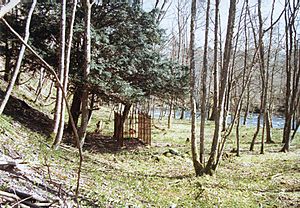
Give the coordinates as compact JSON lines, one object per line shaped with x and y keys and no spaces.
{"x":160,"y":175}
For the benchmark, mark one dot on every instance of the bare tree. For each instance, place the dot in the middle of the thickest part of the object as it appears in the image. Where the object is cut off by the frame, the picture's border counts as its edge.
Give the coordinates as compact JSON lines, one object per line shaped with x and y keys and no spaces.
{"x":197,"y":165}
{"x":66,"y":76}
{"x":215,"y":62}
{"x":87,"y":5}
{"x":203,"y":85}
{"x":59,"y":105}
{"x":267,"y":91}
{"x":20,"y":58}
{"x":212,"y":161}
{"x":292,"y":70}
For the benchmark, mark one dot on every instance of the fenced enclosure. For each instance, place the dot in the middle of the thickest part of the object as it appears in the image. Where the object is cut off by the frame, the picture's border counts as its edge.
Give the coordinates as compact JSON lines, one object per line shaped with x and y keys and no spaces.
{"x":137,"y":125}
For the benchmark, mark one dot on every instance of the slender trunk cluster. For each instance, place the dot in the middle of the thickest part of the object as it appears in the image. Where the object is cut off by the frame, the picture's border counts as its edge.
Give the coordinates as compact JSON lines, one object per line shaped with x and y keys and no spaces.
{"x":216,"y":152}
{"x":64,"y":72}
{"x":292,"y":70}
{"x":59,"y":105}
{"x":215,"y":62}
{"x":203,"y":86}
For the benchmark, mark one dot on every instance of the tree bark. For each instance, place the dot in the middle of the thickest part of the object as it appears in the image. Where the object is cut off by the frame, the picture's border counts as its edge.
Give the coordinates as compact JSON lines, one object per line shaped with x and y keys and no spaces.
{"x":197,"y":165}
{"x":215,"y":66}
{"x":212,"y":161}
{"x":65,"y":78}
{"x":203,"y":86}
{"x":119,"y":134}
{"x":292,"y":73}
{"x":87,"y":65}
{"x":264,"y":74}
{"x":59,"y":105}
{"x":182,"y":113}
{"x":268,"y":117}
{"x":247,"y":105}
{"x":75,"y":108}
{"x":170,"y":113}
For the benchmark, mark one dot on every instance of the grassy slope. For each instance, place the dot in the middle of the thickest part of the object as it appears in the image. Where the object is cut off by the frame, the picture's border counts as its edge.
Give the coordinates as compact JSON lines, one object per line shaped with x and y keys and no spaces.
{"x":145,"y":177}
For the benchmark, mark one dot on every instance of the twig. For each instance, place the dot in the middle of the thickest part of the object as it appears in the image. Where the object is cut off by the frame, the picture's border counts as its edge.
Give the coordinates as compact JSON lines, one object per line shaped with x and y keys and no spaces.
{"x":9,"y":195}
{"x":19,"y":202}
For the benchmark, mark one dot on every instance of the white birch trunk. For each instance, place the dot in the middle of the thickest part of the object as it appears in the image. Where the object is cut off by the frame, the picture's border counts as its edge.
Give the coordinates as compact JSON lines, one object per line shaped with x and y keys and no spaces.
{"x":19,"y":61}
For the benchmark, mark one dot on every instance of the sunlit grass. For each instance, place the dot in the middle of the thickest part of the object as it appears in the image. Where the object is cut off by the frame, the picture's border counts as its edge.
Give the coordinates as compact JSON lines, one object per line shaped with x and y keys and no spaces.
{"x":147,"y":177}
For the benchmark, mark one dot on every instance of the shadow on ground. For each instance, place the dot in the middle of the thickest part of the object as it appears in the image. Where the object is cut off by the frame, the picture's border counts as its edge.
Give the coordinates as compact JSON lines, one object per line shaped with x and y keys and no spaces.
{"x":37,"y":121}
{"x":28,"y":116}
{"x":98,"y":143}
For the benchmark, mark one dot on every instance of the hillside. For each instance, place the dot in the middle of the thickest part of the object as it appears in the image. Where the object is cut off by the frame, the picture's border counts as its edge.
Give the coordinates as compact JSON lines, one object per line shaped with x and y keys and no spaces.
{"x":160,"y":175}
{"x":131,"y":103}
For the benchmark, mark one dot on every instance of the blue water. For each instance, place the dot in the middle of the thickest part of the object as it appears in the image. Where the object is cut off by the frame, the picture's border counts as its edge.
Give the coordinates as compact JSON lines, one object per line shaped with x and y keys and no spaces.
{"x":277,"y":120}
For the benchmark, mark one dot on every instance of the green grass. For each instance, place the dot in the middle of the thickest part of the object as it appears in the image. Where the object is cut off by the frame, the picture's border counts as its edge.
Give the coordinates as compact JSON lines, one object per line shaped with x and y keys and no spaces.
{"x":145,"y":177}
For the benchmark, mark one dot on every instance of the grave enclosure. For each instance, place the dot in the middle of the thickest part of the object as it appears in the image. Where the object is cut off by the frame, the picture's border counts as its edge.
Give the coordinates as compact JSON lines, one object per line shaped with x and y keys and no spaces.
{"x":137,"y":125}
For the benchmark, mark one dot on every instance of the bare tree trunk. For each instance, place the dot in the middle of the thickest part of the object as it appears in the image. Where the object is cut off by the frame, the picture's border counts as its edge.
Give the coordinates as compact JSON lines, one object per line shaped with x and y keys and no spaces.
{"x":92,"y":103}
{"x":261,"y":98}
{"x":40,"y":85}
{"x":59,"y":114}
{"x":203,"y":86}
{"x":247,"y":105}
{"x":256,"y":132}
{"x":268,"y":129}
{"x":170,"y":113}
{"x":246,"y":79}
{"x":212,"y":161}
{"x":197,"y":166}
{"x":269,"y":98}
{"x":296,"y":129}
{"x":87,"y":65}
{"x":182,"y":113}
{"x":75,"y":108}
{"x":119,"y":133}
{"x":20,"y":57}
{"x":264,"y":78}
{"x":215,"y":67}
{"x":237,"y":134}
{"x":65,"y":78}
{"x":292,"y":72}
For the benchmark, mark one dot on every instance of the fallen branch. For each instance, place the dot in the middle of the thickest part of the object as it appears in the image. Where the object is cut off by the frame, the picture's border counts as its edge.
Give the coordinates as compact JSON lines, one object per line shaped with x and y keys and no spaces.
{"x":9,"y":195}
{"x":159,"y":128}
{"x":19,"y":202}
